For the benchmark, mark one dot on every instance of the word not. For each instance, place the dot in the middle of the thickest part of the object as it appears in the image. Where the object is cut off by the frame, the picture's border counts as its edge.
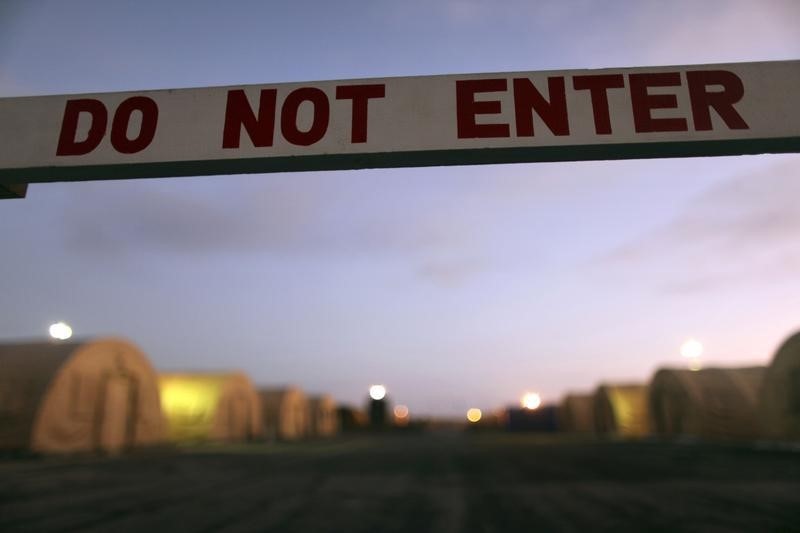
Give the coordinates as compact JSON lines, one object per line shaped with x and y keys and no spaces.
{"x":260,"y":127}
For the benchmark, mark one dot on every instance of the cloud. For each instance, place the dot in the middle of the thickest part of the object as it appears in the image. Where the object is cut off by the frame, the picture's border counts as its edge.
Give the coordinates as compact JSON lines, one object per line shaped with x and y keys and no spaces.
{"x":150,"y":217}
{"x":745,"y":230}
{"x":10,"y":87}
{"x":652,"y":32}
{"x":781,"y":267}
{"x":451,"y":272}
{"x":302,"y":214}
{"x":12,"y":17}
{"x":464,"y":11}
{"x":443,"y":227}
{"x":722,"y":30}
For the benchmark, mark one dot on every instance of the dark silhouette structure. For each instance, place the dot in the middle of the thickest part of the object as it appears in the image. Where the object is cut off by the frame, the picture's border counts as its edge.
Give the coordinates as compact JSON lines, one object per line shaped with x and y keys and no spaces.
{"x":378,"y":413}
{"x":543,"y":419}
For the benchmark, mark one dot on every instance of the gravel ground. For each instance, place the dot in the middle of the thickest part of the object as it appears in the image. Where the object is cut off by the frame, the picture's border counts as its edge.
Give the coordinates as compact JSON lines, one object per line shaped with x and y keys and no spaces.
{"x":428,"y":482}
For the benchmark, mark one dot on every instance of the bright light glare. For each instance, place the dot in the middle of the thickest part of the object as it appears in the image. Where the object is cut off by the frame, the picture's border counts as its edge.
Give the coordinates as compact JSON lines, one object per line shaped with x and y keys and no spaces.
{"x":531,"y":400}
{"x":191,"y":400}
{"x":474,"y":415}
{"x":377,"y":392}
{"x":695,"y":364}
{"x":692,"y":349}
{"x":401,"y":411}
{"x":60,"y":331}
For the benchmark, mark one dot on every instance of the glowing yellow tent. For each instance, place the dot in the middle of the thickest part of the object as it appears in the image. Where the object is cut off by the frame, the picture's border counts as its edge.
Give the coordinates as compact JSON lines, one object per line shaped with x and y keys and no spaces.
{"x":779,"y":406}
{"x":210,"y":406}
{"x":621,"y":410}
{"x":710,"y":403}
{"x":576,"y":413}
{"x":286,"y":414}
{"x":324,"y":419}
{"x":77,"y":396}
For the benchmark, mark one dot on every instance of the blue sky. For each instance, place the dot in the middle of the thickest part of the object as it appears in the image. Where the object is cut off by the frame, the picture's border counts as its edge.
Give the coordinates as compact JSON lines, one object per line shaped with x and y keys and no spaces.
{"x":454,"y":286}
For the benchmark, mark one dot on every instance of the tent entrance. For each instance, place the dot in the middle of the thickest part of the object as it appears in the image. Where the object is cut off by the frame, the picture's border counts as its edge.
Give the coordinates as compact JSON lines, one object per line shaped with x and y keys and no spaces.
{"x":794,"y":391}
{"x":238,"y":417}
{"x":118,"y":414}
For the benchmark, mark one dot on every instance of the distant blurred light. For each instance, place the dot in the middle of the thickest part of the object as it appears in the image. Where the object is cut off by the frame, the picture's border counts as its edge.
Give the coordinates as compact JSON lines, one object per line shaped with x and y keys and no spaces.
{"x":377,"y":392}
{"x":401,"y":411}
{"x":60,"y":331}
{"x":531,"y":400}
{"x":474,"y":415}
{"x":695,"y":364}
{"x":692,"y":349}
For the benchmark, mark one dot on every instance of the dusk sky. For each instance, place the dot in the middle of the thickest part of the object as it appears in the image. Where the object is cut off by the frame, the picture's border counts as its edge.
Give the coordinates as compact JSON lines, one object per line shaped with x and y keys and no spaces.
{"x":453,"y":286}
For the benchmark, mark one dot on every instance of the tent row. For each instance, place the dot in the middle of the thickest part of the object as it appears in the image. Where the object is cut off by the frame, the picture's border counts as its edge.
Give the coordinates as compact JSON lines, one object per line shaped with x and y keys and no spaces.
{"x":105,"y":395}
{"x":612,"y":409}
{"x":727,"y":403}
{"x":708,"y":403}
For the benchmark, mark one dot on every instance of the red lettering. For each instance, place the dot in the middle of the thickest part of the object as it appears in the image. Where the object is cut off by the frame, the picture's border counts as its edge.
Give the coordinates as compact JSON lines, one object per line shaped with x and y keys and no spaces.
{"x":238,"y":113}
{"x":319,"y":124}
{"x":598,"y":86}
{"x":642,"y":102}
{"x":553,"y":113}
{"x":467,"y":108}
{"x":147,"y":130}
{"x":360,"y":95}
{"x":722,"y":101}
{"x":67,"y":143}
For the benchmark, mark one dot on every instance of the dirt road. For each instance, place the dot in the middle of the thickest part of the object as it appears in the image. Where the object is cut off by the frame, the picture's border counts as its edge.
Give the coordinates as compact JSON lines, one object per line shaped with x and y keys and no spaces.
{"x":412,"y":483}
